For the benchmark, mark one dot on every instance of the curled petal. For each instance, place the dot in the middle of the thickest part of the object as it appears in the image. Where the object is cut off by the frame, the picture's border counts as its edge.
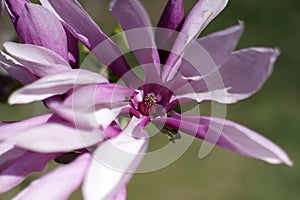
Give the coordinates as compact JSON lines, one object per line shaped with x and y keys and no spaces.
{"x":59,"y":183}
{"x":38,"y":60}
{"x":108,"y":174}
{"x":236,"y":138}
{"x":54,"y":85}
{"x":37,"y":25}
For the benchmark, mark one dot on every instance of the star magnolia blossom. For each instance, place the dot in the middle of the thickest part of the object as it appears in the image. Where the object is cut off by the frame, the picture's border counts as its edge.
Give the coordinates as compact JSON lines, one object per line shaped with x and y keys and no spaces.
{"x":87,"y":106}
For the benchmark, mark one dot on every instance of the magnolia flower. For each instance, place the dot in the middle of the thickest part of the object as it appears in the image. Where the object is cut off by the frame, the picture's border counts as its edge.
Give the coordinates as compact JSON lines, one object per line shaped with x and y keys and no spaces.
{"x":87,"y":107}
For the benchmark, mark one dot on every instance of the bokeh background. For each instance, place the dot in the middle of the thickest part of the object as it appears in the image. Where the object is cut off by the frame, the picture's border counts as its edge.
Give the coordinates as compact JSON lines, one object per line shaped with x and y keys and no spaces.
{"x":274,"y":112}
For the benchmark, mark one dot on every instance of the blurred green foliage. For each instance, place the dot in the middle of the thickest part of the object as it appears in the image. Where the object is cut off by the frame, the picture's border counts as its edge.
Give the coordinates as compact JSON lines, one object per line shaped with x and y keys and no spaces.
{"x":274,"y":112}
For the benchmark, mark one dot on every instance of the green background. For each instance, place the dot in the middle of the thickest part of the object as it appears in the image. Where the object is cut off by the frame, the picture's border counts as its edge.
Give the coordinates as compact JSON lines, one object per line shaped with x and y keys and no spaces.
{"x":273,"y":111}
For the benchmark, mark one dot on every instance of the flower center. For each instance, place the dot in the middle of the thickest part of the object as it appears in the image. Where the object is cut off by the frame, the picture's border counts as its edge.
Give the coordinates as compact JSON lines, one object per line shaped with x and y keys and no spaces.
{"x":148,"y":105}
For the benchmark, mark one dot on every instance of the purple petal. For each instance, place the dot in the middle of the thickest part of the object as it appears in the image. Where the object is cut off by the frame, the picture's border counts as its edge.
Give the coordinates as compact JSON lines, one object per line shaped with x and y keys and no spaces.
{"x":235,"y":137}
{"x":16,"y":172}
{"x":108,"y":175}
{"x":73,"y":50}
{"x":15,"y":69}
{"x":173,"y":15}
{"x":86,"y":30}
{"x":242,"y":75}
{"x":14,"y":8}
{"x":59,"y":183}
{"x":38,"y":60}
{"x":131,"y":15}
{"x":55,"y":84}
{"x":199,"y":17}
{"x":9,"y":154}
{"x":171,"y":19}
{"x":55,"y":137}
{"x":37,"y":25}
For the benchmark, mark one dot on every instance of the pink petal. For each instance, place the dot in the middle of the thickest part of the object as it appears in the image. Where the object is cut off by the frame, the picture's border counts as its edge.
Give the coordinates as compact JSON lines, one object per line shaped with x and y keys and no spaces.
{"x":15,"y":69}
{"x":38,"y":60}
{"x":55,"y":137}
{"x":228,"y":38}
{"x":16,"y":172}
{"x":92,"y":95}
{"x":199,"y":17}
{"x":211,"y":45}
{"x":242,"y":75}
{"x":54,"y":85}
{"x":132,"y":16}
{"x":236,"y":138}
{"x":12,"y":128}
{"x":87,"y":118}
{"x":37,"y":25}
{"x":108,"y":174}
{"x":59,"y":183}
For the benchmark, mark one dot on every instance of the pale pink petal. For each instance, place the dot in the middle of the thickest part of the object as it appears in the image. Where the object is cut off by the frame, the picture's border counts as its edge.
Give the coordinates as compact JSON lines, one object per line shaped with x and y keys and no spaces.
{"x":121,"y":195}
{"x":38,"y":60}
{"x":16,"y":69}
{"x":234,"y":137}
{"x":59,"y":183}
{"x":92,"y":95}
{"x":199,"y":17}
{"x":9,"y":129}
{"x":219,"y":54}
{"x":86,"y":117}
{"x":55,"y":137}
{"x":242,"y":75}
{"x":114,"y":162}
{"x":16,"y":172}
{"x":54,"y":85}
{"x":228,"y":37}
